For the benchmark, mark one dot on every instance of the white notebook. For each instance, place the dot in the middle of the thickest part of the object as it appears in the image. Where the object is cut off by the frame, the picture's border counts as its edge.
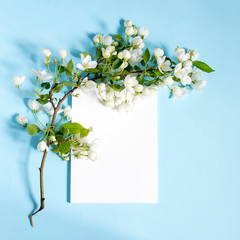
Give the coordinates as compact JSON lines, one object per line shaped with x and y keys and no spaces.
{"x":126,"y":170}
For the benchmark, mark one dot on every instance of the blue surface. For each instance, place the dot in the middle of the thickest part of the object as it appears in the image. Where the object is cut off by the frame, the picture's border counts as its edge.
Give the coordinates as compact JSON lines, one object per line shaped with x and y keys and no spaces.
{"x":199,"y":163}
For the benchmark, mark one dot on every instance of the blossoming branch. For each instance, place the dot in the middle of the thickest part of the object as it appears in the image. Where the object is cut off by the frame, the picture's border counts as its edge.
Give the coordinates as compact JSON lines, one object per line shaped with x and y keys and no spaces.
{"x":122,"y":73}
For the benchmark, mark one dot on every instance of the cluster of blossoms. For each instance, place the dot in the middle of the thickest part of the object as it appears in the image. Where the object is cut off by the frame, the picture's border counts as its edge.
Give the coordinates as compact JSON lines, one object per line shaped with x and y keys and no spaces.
{"x":122,"y":73}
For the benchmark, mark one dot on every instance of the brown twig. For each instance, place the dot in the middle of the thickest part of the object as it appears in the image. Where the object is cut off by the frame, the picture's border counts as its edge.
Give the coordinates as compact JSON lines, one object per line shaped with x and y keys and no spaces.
{"x":42,"y":199}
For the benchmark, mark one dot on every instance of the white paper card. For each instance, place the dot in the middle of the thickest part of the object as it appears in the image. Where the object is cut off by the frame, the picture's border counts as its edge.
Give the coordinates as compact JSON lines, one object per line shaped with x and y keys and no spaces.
{"x":126,"y":170}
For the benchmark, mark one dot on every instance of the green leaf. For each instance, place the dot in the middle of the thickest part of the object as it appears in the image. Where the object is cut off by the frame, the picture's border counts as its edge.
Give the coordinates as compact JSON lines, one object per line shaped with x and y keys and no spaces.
{"x":70,"y":65}
{"x":118,"y":38}
{"x":176,"y":79}
{"x":64,"y":147}
{"x":98,"y":52}
{"x":55,"y":150}
{"x":45,"y":85}
{"x":146,"y":55}
{"x":74,"y":128}
{"x":140,"y":79}
{"x":157,"y":72}
{"x":60,"y":69}
{"x":91,"y":70}
{"x":143,"y":63}
{"x":68,"y":72}
{"x":43,"y":98}
{"x":58,"y":88}
{"x":203,"y":66}
{"x":117,"y":63}
{"x":137,"y":68}
{"x":33,"y":129}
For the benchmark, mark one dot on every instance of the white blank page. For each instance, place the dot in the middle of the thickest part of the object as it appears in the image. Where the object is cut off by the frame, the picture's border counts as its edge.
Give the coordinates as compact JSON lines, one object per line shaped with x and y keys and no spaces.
{"x":126,"y":170}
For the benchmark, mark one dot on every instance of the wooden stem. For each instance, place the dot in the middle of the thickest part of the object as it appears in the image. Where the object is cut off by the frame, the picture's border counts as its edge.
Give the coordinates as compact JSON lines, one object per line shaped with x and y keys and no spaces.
{"x":42,"y":198}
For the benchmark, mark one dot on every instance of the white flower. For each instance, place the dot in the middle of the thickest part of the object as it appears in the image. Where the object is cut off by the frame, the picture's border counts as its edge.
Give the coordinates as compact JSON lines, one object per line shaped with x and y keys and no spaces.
{"x":136,"y":56}
{"x":146,"y":92}
{"x":182,"y":73}
{"x":92,"y":155}
{"x":138,"y":88}
{"x":17,"y":80}
{"x":120,"y":55}
{"x":42,"y":75}
{"x":46,"y":52}
{"x":177,"y":92}
{"x":126,"y":107}
{"x":130,"y":31}
{"x":117,"y":101}
{"x":86,"y":63}
{"x":90,"y":84}
{"x":196,"y":75}
{"x":52,"y":138}
{"x":34,"y":105}
{"x":198,"y":85}
{"x":68,"y":112}
{"x":163,"y":66}
{"x":168,"y":81}
{"x":111,"y":49}
{"x":130,"y":82}
{"x":143,"y":32}
{"x":107,"y":40}
{"x":123,"y":65}
{"x":158,"y":52}
{"x":65,"y":156}
{"x":63,"y":53}
{"x":97,"y":38}
{"x":126,"y":54}
{"x":109,"y":103}
{"x":109,"y":93}
{"x":188,"y":64}
{"x":102,"y":87}
{"x":128,"y":23}
{"x":194,"y":55}
{"x":138,"y":42}
{"x":42,"y":146}
{"x":181,"y":54}
{"x":49,"y":109}
{"x":21,"y":120}
{"x":106,"y":53}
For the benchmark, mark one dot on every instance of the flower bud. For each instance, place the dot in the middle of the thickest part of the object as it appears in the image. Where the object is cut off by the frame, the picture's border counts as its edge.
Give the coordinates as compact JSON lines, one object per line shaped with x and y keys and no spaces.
{"x":128,"y":23}
{"x":158,"y":52}
{"x":138,"y":88}
{"x":120,"y":55}
{"x":168,"y":81}
{"x":129,"y":31}
{"x":22,"y":120}
{"x":42,"y":146}
{"x":92,"y":155}
{"x":46,"y":52}
{"x":52,"y":138}
{"x":63,"y":53}
{"x":126,"y":54}
{"x":17,"y":80}
{"x":34,"y":105}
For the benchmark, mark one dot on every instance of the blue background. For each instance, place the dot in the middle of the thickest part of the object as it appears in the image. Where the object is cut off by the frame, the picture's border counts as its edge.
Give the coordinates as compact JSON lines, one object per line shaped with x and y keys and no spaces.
{"x":199,"y":164}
